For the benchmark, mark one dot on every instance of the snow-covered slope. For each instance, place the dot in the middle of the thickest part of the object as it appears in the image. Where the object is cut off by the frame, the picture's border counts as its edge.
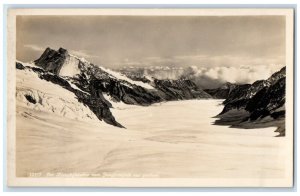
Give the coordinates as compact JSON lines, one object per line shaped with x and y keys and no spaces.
{"x":37,"y":94}
{"x":120,"y":76}
{"x":70,"y":67}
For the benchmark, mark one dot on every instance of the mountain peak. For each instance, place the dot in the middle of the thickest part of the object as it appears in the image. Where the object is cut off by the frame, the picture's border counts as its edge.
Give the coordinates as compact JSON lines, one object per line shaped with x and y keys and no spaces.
{"x":51,"y":60}
{"x":63,"y":51}
{"x":227,"y":85}
{"x":59,"y":62}
{"x":283,"y":69}
{"x":277,"y":75}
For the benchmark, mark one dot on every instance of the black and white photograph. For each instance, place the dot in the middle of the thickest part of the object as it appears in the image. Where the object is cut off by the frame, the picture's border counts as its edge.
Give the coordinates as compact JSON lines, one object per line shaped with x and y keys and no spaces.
{"x":150,"y":97}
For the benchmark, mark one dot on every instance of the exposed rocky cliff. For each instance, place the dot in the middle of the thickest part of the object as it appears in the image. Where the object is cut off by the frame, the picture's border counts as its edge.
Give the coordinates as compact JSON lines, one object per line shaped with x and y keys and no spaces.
{"x":221,"y":92}
{"x":52,"y":60}
{"x":260,"y":104}
{"x":179,"y":90}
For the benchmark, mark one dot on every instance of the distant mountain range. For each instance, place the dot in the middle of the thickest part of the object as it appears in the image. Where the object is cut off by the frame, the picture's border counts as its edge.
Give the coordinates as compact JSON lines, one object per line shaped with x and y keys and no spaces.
{"x":222,"y":92}
{"x":174,"y":73}
{"x":261,"y":104}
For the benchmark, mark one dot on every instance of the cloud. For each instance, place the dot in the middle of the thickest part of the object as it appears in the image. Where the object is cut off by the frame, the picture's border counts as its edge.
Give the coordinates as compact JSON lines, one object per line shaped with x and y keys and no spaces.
{"x":203,"y":61}
{"x":81,"y":53}
{"x":34,"y":47}
{"x":212,"y":71}
{"x":215,"y":76}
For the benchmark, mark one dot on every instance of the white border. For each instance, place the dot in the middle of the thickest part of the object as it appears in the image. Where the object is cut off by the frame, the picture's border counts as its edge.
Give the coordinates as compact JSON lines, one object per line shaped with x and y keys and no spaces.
{"x":143,"y":182}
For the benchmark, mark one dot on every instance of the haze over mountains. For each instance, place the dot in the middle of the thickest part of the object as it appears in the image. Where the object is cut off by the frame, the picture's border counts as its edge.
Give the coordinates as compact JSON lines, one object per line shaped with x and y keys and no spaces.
{"x":204,"y":76}
{"x":96,"y":88}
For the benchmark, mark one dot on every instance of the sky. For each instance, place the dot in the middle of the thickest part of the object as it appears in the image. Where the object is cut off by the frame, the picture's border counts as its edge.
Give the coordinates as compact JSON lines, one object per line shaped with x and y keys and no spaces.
{"x":213,"y":43}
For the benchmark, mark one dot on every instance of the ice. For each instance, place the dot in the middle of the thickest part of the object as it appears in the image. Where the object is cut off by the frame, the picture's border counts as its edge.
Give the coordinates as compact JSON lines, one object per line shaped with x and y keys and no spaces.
{"x":49,"y":97}
{"x":167,"y":140}
{"x":123,"y":77}
{"x":70,"y":67}
{"x":29,"y":64}
{"x":174,"y":139}
{"x":119,"y":105}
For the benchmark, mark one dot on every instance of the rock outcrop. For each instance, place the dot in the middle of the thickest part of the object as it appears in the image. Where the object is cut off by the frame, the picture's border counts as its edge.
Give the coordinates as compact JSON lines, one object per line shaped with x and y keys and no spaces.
{"x":260,"y":104}
{"x":179,"y":90}
{"x":221,"y":92}
{"x":52,"y":60}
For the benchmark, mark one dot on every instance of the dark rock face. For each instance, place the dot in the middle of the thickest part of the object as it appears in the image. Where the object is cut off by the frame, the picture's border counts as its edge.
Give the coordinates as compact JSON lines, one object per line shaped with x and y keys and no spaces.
{"x":238,"y":105}
{"x":238,"y":93}
{"x":52,"y":60}
{"x":135,"y":95}
{"x":30,"y":99}
{"x":264,"y":98}
{"x":19,"y":66}
{"x":218,"y":93}
{"x":221,"y":92}
{"x":247,"y":91}
{"x":266,"y":101}
{"x":179,"y":90}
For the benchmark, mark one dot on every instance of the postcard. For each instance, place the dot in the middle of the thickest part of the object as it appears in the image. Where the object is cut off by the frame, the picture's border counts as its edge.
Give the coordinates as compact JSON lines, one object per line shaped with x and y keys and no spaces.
{"x":150,"y":97}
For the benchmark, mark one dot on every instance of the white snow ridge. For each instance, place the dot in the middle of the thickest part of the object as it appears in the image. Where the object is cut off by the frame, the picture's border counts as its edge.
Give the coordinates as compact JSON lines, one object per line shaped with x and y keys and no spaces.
{"x":48,"y":97}
{"x":120,"y":76}
{"x":70,"y":67}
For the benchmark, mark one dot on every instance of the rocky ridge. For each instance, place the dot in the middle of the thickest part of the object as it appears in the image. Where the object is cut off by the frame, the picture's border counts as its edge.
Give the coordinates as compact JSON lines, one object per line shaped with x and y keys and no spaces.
{"x":221,"y":92}
{"x":90,"y":82}
{"x":259,"y":104}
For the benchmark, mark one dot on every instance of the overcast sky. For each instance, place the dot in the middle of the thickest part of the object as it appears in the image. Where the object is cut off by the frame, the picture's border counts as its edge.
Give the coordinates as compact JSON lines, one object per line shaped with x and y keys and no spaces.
{"x":114,"y":41}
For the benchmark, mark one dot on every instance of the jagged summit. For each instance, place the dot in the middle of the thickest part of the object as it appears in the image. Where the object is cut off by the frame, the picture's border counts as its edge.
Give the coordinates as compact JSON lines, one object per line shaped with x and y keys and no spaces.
{"x":52,"y":60}
{"x":59,"y":62}
{"x":223,"y":91}
{"x":248,"y":91}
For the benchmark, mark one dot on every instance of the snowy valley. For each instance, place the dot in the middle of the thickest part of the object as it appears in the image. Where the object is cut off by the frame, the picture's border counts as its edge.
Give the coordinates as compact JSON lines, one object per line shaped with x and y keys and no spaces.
{"x":103,"y":122}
